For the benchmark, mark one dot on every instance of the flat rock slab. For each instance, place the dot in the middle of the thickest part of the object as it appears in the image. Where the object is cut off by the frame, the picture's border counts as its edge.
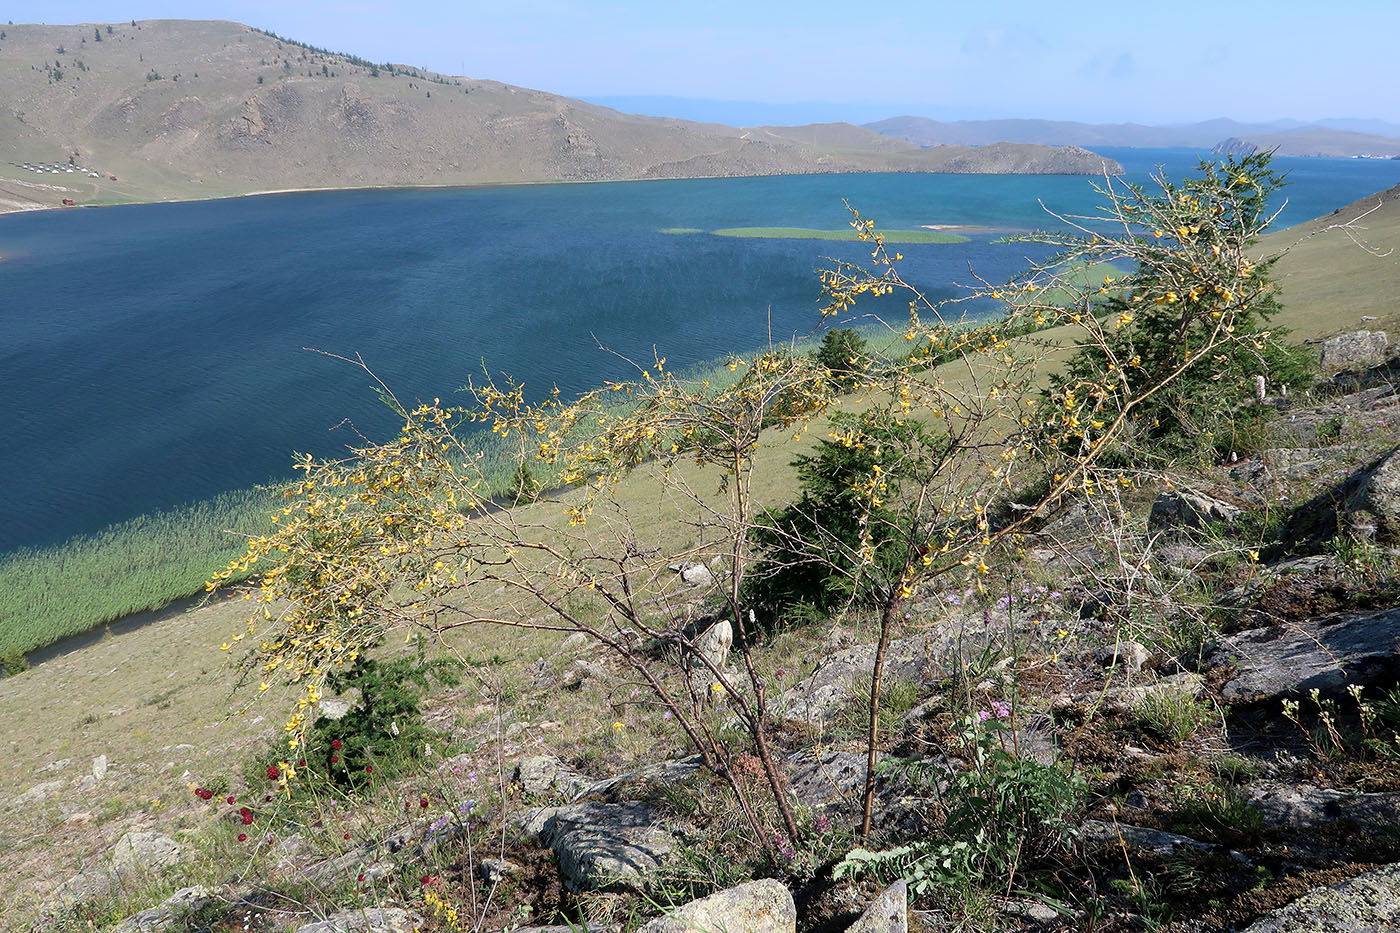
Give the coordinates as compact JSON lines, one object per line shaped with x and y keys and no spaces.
{"x":1368,"y":903}
{"x":635,"y":783}
{"x":604,"y":845}
{"x":1153,"y":842}
{"x":756,"y":907}
{"x":1324,"y":654}
{"x":1304,"y":808}
{"x":369,"y":920}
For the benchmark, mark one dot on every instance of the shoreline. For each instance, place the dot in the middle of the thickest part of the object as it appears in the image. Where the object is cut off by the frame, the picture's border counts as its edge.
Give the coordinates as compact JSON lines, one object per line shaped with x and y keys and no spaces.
{"x":272,"y":192}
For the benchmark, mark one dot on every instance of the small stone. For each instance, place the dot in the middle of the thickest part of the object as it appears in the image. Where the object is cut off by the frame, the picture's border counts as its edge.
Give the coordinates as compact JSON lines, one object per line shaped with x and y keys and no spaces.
{"x":37,"y":794}
{"x":496,"y":870}
{"x":1128,"y":655}
{"x":170,"y":912}
{"x":99,"y":768}
{"x":693,"y":574}
{"x":541,"y":774}
{"x":1182,"y":508}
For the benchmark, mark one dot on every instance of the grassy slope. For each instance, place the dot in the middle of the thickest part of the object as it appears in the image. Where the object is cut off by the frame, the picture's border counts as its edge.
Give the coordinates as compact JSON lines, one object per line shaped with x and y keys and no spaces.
{"x":155,"y":700}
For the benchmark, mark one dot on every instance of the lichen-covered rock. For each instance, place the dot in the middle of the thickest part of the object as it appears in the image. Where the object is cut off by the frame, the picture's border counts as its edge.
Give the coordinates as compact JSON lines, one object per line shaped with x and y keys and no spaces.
{"x":764,"y":906}
{"x":1153,"y":842}
{"x":1182,"y":508}
{"x":917,"y":659}
{"x":368,"y":920}
{"x":164,"y":916}
{"x":889,"y":913}
{"x":605,"y":845}
{"x":1368,"y":903}
{"x":1374,"y":506}
{"x":828,"y":782}
{"x":140,"y":852}
{"x":631,"y":785}
{"x":1354,"y":351}
{"x":1326,"y":654}
{"x":1304,"y":808}
{"x":542,"y":774}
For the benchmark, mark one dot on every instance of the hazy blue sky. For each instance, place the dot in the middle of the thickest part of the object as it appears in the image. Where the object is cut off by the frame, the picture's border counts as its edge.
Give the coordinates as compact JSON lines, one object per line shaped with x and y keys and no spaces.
{"x":1098,"y":61}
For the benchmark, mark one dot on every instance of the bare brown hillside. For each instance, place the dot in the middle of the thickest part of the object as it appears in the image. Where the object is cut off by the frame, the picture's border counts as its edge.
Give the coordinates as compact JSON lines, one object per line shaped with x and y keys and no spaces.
{"x":187,"y":109}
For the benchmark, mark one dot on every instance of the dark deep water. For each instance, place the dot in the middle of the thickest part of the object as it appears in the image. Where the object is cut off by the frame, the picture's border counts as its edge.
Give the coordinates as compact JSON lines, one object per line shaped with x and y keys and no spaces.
{"x":152,"y":355}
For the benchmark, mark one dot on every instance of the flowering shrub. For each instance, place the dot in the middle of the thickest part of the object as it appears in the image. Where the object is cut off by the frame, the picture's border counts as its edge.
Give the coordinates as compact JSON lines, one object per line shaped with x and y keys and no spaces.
{"x":406,"y":533}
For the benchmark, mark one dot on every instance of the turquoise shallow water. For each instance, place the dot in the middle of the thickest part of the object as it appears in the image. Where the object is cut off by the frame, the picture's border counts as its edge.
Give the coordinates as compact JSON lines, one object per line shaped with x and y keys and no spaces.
{"x":152,"y":355}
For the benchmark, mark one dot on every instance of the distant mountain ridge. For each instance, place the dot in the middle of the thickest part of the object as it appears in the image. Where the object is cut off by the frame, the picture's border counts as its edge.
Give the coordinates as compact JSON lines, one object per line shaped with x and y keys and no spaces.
{"x":175,"y":109}
{"x":1314,"y":141}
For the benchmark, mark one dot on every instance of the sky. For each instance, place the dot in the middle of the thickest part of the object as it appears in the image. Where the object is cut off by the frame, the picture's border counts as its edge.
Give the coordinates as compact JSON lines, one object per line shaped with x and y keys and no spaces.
{"x":1160,"y":62}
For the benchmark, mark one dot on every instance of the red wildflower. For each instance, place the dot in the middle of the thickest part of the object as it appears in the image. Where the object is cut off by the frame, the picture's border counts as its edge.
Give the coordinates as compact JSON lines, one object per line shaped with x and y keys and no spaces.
{"x":335,"y":759}
{"x":273,"y":773}
{"x":369,"y":769}
{"x":230,"y":800}
{"x":347,"y":835}
{"x":335,"y":744}
{"x":423,"y":802}
{"x":242,"y":837}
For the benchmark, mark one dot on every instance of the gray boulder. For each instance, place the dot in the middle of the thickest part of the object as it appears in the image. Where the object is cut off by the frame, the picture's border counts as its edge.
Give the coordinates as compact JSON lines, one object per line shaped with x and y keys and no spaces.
{"x":542,"y":774}
{"x":1325,"y":654}
{"x":143,"y":852}
{"x":830,"y":782}
{"x":170,"y":912}
{"x":603,"y":845}
{"x":1368,"y":903}
{"x":1354,"y":351}
{"x":368,"y":920}
{"x":918,"y":659}
{"x":756,"y":907}
{"x":1374,"y":505}
{"x":1304,"y":808}
{"x":79,"y":889}
{"x":636,"y":783}
{"x":1153,"y":842}
{"x":693,"y":574}
{"x":888,"y":914}
{"x":1183,"y":508}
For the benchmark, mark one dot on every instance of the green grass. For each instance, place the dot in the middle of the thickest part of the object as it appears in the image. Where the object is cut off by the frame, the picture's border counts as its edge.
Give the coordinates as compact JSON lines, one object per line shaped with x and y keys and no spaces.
{"x":144,"y":563}
{"x":892,"y":237}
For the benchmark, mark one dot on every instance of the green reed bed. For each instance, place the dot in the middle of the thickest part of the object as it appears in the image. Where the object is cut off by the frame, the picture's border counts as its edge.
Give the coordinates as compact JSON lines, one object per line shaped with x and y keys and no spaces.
{"x":144,"y":563}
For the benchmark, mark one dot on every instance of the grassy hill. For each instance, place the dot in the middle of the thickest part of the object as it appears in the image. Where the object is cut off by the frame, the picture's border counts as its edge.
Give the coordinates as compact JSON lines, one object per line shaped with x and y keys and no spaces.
{"x":1336,"y":277}
{"x":178,"y":109}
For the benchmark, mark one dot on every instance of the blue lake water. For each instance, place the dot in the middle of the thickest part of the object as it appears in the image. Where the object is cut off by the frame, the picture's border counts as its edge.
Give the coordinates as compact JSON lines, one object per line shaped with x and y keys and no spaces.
{"x":151,"y":355}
